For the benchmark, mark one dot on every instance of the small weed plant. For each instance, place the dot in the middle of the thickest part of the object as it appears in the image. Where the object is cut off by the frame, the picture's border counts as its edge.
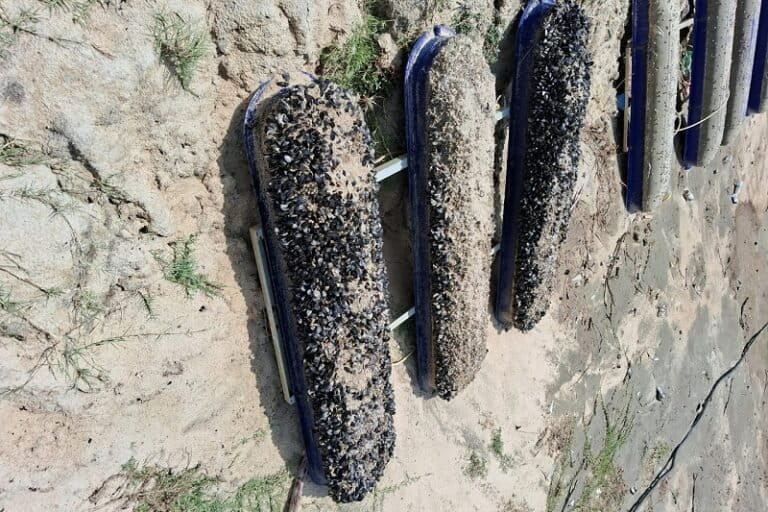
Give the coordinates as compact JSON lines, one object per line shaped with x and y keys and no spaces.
{"x":150,"y":488}
{"x":180,"y":45}
{"x":476,"y":466}
{"x":497,"y":448}
{"x":182,"y":269}
{"x":354,"y":63}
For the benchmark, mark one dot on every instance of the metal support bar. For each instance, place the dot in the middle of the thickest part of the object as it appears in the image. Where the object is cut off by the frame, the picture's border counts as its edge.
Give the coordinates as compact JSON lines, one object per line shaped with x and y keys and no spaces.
{"x":400,"y":163}
{"x":391,"y":168}
{"x":402,"y":319}
{"x":260,"y":253}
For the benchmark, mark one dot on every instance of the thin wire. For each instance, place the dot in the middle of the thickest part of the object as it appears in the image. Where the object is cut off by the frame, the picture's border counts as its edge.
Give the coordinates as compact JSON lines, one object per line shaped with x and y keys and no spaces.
{"x":721,"y":107}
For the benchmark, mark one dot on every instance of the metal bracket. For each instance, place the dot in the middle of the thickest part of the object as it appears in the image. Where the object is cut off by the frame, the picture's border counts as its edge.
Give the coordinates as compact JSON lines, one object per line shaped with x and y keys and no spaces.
{"x":262,"y":264}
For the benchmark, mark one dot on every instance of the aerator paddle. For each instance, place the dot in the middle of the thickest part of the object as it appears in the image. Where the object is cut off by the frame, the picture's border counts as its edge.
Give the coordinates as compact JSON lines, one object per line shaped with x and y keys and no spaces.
{"x":548,"y":104}
{"x":449,"y":100}
{"x":758,"y":94}
{"x":745,"y":37}
{"x":710,"y":75}
{"x":312,"y":167}
{"x":655,"y":51}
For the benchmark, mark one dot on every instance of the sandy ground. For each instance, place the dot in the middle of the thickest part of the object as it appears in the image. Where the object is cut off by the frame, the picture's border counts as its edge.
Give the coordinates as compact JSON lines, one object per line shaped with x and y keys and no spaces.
{"x":673,"y":296}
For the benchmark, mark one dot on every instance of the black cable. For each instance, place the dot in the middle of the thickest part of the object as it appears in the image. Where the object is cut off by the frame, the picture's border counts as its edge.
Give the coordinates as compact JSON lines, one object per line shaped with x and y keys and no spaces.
{"x":670,"y":464}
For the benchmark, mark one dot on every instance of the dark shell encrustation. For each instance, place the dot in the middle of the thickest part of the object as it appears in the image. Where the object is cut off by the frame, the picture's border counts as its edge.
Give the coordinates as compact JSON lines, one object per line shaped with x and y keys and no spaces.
{"x":314,"y":178}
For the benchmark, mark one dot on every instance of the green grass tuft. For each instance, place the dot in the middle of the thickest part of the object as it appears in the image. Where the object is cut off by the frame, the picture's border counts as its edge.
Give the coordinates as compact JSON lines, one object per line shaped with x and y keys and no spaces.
{"x":109,"y":189}
{"x":11,"y":26}
{"x":465,"y":21}
{"x":432,"y":8}
{"x":477,"y":465}
{"x":354,"y":64}
{"x":182,"y":269}
{"x":557,"y":485}
{"x":59,"y":5}
{"x":491,"y":42}
{"x":148,"y":301}
{"x":8,"y":303}
{"x":151,"y":488}
{"x":497,"y":449}
{"x":52,"y":292}
{"x":604,"y":489}
{"x":660,"y":451}
{"x":497,"y":443}
{"x":87,"y":306}
{"x":180,"y":45}
{"x":80,"y":9}
{"x":16,"y":153}
{"x":53,"y":199}
{"x":74,"y":362}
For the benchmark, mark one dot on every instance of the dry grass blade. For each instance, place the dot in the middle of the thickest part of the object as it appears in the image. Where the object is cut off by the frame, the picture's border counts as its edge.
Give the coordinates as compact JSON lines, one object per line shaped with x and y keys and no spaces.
{"x":180,"y":45}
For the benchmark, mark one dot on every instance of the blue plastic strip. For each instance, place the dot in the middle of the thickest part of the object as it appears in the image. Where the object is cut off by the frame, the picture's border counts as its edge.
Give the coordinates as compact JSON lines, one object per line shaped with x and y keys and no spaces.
{"x":420,"y":60}
{"x":529,"y":29}
{"x":280,"y":287}
{"x":638,"y":105}
{"x":696,"y":97}
{"x":761,"y":60}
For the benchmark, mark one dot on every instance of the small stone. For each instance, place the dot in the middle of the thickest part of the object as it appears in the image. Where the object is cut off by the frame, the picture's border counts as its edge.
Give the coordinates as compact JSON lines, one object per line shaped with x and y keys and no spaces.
{"x":736,"y":191}
{"x":390,"y":57}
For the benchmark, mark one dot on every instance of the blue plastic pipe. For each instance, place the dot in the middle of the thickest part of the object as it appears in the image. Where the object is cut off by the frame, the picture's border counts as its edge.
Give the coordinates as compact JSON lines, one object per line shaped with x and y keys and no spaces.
{"x":420,"y":59}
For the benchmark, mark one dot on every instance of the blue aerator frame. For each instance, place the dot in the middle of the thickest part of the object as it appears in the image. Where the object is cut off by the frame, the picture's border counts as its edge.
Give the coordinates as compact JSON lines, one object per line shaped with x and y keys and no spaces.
{"x":529,"y":29}
{"x":288,"y":336}
{"x":638,"y":105}
{"x":420,"y":59}
{"x":696,"y":97}
{"x":761,"y":56}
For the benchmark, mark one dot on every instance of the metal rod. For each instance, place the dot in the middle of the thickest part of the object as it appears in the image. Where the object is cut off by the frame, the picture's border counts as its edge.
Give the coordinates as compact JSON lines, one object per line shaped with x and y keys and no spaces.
{"x":260,"y":253}
{"x":399,"y":163}
{"x":391,"y":167}
{"x":402,"y":319}
{"x":412,"y":312}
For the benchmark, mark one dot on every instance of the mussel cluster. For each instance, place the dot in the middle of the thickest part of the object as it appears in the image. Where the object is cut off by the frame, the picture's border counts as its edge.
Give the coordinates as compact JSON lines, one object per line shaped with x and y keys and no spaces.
{"x":460,"y":162}
{"x":325,"y":220}
{"x":560,"y":81}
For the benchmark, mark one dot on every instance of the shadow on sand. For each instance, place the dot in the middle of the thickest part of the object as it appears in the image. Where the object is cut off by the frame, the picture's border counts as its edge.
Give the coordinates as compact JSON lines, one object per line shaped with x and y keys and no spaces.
{"x":240,"y":213}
